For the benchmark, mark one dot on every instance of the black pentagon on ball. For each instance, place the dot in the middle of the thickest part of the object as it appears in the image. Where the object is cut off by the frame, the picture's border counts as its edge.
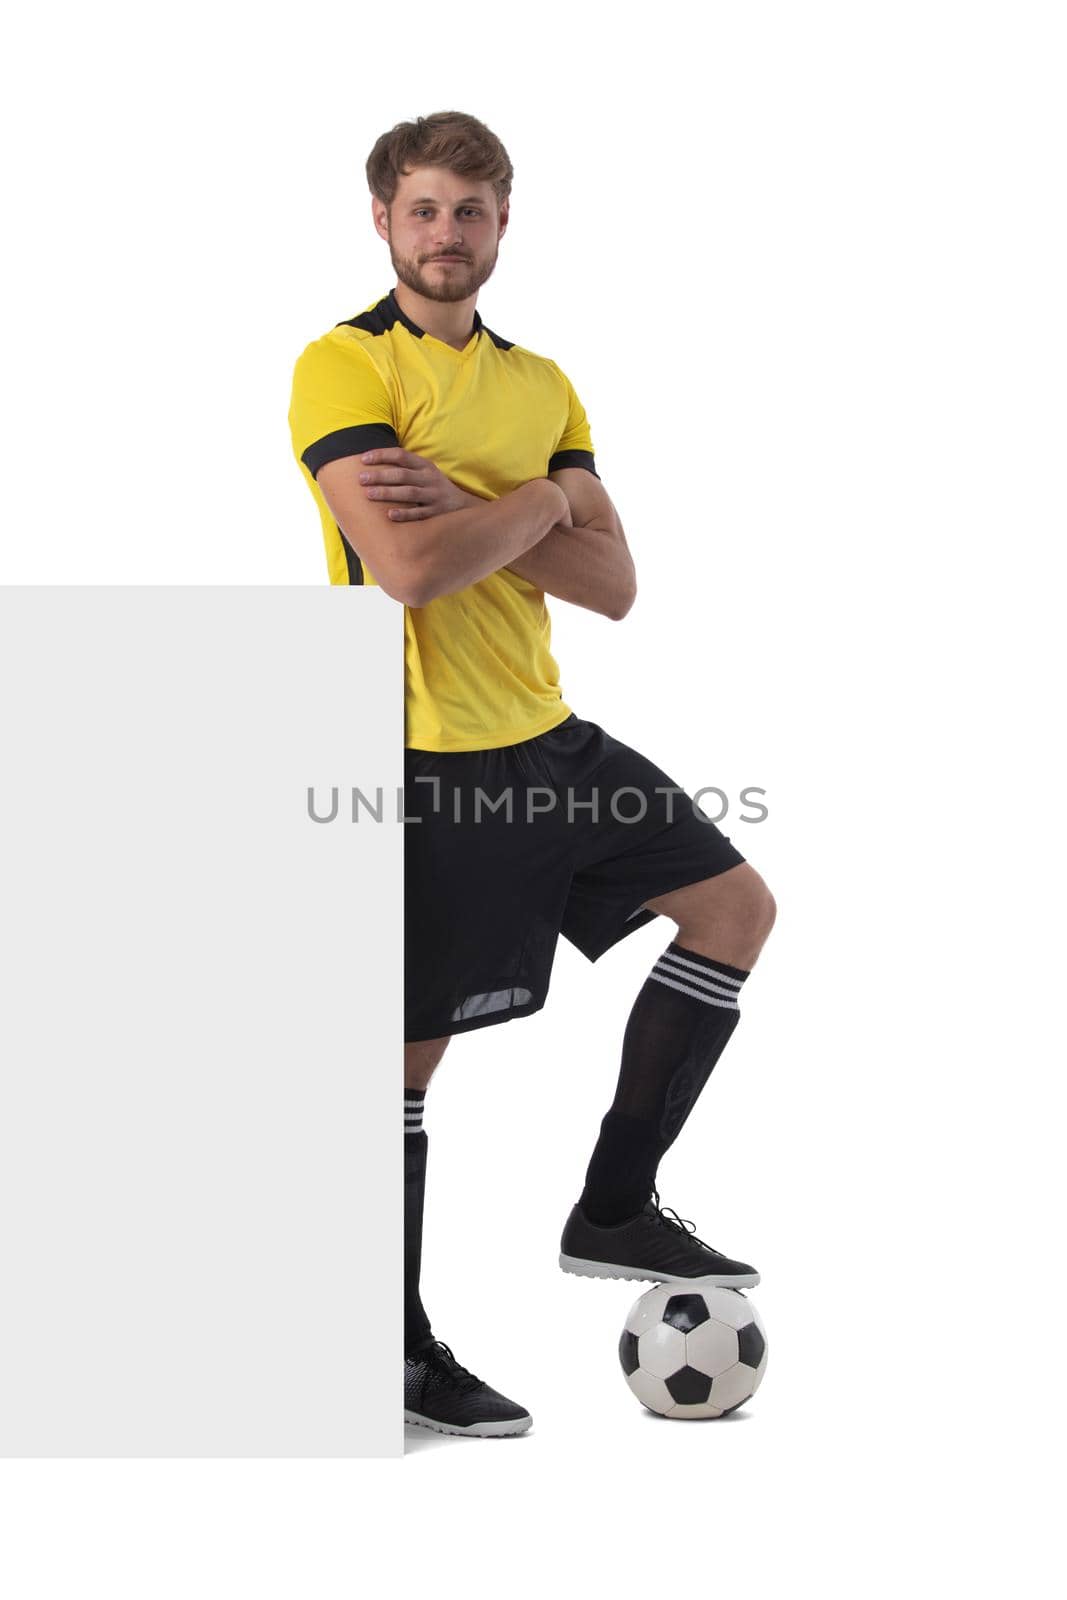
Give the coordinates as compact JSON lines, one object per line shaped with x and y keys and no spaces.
{"x":688,"y":1387}
{"x":750,"y":1345}
{"x":628,"y":1352}
{"x":686,"y":1311}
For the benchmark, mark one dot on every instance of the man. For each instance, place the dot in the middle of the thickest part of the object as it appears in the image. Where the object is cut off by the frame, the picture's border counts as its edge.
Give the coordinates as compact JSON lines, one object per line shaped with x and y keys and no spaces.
{"x":455,"y":469}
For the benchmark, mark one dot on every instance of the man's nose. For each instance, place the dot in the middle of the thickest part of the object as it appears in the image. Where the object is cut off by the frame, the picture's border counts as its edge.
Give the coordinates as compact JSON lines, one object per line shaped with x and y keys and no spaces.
{"x":449,"y":234}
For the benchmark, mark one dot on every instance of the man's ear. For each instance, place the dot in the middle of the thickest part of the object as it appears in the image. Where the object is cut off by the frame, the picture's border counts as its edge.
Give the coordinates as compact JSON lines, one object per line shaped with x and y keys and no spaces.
{"x":503,"y":218}
{"x":380,"y":213}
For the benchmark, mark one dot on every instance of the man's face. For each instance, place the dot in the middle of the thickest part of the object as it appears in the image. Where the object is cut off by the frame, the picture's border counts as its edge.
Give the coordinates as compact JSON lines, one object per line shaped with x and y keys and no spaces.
{"x":443,"y":231}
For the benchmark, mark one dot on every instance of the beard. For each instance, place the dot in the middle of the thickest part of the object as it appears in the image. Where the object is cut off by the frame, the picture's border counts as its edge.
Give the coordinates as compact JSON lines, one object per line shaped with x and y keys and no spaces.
{"x":457,"y":283}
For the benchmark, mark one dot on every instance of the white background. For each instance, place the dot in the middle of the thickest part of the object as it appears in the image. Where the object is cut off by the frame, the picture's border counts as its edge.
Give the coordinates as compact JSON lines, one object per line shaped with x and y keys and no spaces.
{"x":804,"y":264}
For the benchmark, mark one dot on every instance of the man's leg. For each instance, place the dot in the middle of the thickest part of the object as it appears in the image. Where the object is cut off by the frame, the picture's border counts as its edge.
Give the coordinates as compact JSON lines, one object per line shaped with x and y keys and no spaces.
{"x":420,"y":1062}
{"x":727,"y":918}
{"x":438,"y":1392}
{"x":678,"y":1027}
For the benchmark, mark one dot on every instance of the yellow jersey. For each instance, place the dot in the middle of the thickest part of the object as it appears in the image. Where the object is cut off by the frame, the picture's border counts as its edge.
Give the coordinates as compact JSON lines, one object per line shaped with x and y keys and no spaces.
{"x":478,"y":665}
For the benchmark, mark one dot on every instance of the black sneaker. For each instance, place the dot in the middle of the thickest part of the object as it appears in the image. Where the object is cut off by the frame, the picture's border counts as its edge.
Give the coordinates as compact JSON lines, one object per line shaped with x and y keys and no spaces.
{"x":440,"y":1394}
{"x":655,"y":1245}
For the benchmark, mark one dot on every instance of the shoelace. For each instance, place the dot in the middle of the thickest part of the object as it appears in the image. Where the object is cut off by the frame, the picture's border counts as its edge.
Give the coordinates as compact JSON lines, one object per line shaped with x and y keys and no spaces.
{"x":670,"y":1219}
{"x":440,"y":1356}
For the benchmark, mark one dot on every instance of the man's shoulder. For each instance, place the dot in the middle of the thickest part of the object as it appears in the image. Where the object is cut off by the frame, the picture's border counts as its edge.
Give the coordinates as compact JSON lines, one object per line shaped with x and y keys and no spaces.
{"x":522,"y":353}
{"x":351,"y":343}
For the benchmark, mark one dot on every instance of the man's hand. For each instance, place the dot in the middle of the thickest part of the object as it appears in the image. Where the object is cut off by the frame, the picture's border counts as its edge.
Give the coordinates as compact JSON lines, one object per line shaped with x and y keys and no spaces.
{"x":415,"y":488}
{"x":444,"y":550}
{"x":584,"y":558}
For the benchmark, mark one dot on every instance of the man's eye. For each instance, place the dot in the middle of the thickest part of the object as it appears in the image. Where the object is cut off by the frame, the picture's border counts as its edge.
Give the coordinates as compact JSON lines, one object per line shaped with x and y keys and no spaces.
{"x":472,"y":211}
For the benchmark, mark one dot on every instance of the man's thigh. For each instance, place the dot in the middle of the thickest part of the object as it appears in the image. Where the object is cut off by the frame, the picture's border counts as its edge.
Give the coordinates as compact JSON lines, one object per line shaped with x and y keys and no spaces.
{"x":733,"y":893}
{"x":484,"y":890}
{"x":637,"y":835}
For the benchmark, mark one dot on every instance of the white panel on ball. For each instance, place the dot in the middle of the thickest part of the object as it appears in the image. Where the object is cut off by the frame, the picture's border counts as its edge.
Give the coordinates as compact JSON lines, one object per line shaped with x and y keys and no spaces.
{"x":729,"y":1305}
{"x":712,"y":1348}
{"x":652,"y":1392}
{"x":735,"y":1386}
{"x":647,"y":1310}
{"x":661,"y":1350}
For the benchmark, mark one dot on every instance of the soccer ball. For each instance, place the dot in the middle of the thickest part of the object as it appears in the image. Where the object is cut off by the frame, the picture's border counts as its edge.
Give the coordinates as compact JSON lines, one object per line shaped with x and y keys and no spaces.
{"x":693,"y":1350}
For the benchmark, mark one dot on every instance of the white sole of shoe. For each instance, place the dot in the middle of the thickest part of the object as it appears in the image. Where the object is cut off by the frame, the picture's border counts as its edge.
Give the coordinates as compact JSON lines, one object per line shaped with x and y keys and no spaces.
{"x":474,"y":1430}
{"x":604,"y":1269}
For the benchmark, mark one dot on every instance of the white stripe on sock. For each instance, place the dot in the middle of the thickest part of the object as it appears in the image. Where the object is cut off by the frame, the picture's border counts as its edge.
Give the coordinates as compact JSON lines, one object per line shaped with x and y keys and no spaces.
{"x":721,"y":977}
{"x":727,"y":1005}
{"x":692,"y":977}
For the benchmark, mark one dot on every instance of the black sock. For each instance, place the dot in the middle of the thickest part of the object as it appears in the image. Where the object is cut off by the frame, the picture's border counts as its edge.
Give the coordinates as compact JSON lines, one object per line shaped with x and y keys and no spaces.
{"x":678,"y":1028}
{"x":416,"y":1322}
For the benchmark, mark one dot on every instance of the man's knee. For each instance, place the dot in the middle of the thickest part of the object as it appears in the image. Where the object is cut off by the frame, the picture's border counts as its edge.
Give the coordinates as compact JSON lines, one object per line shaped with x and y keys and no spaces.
{"x":765,"y":908}
{"x":748,"y":904}
{"x":421,"y":1059}
{"x":738,"y":899}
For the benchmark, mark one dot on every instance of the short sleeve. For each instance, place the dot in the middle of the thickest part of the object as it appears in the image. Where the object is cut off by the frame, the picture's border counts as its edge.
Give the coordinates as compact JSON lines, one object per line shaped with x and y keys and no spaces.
{"x":574,"y":447}
{"x":340,"y":404}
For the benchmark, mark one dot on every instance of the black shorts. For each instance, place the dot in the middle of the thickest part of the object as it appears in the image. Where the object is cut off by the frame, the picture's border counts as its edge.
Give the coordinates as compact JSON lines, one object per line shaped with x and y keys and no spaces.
{"x":506,"y":849}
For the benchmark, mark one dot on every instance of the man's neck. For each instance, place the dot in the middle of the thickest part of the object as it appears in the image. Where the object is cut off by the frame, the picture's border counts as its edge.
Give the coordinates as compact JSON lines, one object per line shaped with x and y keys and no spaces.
{"x":451,"y":321}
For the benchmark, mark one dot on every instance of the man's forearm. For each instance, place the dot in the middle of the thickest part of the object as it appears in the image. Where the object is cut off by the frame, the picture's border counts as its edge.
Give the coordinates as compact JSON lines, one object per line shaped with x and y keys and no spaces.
{"x":587,"y":566}
{"x":449,"y":552}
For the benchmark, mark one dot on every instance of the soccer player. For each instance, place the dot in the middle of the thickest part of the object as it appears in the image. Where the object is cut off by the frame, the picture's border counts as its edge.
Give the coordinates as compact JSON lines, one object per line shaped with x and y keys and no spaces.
{"x":455,"y":469}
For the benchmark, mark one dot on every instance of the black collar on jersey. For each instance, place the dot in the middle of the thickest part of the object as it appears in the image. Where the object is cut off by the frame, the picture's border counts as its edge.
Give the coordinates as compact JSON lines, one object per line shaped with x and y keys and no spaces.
{"x":387,"y":313}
